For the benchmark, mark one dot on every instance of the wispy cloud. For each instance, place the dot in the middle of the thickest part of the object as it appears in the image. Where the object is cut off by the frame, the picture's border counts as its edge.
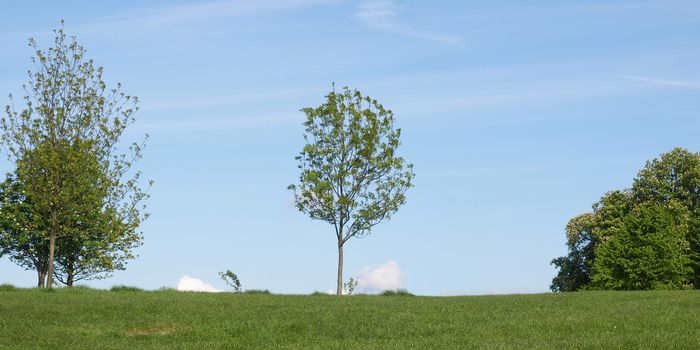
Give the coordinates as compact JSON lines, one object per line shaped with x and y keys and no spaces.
{"x":208,"y":98}
{"x":234,"y":123}
{"x":154,"y":17}
{"x":665,"y":82}
{"x":382,"y":14}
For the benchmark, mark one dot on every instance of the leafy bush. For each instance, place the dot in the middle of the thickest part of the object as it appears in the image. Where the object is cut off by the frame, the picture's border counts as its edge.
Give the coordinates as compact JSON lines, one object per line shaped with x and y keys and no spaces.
{"x":123,"y":288}
{"x":397,"y":293}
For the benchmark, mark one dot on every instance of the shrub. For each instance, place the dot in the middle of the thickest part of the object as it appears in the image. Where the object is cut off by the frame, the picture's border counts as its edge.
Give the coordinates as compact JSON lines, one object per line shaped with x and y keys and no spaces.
{"x":122,"y":288}
{"x":397,"y":293}
{"x":317,"y":293}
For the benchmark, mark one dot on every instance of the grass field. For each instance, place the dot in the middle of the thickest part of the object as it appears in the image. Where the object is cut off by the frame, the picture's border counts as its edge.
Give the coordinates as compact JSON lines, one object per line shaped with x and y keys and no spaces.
{"x":85,"y":319}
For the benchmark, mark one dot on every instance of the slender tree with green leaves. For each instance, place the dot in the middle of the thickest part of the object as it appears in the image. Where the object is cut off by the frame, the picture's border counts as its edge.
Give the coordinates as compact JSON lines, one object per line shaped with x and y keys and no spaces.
{"x":350,"y":173}
{"x":65,"y":143}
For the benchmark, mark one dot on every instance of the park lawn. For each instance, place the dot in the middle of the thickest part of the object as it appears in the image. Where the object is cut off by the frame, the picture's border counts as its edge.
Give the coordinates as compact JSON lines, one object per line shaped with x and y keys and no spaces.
{"x":82,"y":318}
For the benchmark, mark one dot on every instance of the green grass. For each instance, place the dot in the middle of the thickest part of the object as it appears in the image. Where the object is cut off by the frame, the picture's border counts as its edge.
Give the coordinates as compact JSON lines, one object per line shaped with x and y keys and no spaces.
{"x":87,"y":319}
{"x":257,"y":291}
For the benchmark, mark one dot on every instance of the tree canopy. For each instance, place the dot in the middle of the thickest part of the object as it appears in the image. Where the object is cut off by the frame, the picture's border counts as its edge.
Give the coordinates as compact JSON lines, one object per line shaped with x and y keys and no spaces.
{"x":351,"y":175}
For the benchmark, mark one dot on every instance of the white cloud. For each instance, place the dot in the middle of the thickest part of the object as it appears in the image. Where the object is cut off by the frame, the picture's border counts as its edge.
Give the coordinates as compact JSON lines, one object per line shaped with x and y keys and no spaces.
{"x":664,"y":82}
{"x":381,"y":14}
{"x":386,"y":276}
{"x":190,"y":284}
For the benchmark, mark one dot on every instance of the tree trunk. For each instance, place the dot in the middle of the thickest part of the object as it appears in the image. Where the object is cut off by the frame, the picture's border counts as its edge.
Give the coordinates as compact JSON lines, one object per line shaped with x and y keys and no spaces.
{"x":339,"y":290}
{"x":71,"y":275}
{"x":42,"y":277}
{"x":52,"y":246}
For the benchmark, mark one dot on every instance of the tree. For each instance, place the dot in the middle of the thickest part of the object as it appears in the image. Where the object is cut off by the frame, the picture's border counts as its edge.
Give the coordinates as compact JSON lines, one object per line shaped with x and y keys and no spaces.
{"x":675,"y":176}
{"x":64,"y":143}
{"x":575,"y":268}
{"x":351,"y":176}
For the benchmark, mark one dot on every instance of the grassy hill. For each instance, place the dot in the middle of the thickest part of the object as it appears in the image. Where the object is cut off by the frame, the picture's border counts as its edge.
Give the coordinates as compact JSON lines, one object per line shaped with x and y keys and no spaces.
{"x":85,"y":319}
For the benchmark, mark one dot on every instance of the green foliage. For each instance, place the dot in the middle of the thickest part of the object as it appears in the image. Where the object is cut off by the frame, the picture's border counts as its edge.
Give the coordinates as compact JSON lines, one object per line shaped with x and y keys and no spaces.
{"x":397,"y":293}
{"x":647,"y":251}
{"x":22,"y":232}
{"x":84,"y":197}
{"x":318,"y":294}
{"x":574,"y":269}
{"x":675,"y":176}
{"x":123,"y":288}
{"x":647,"y":237}
{"x":231,"y":280}
{"x":350,"y":173}
{"x":349,"y":286}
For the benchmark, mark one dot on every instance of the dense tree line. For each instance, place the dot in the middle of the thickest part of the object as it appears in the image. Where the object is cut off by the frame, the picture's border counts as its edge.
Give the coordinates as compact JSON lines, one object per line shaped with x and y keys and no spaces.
{"x":72,"y":207}
{"x":644,"y":237}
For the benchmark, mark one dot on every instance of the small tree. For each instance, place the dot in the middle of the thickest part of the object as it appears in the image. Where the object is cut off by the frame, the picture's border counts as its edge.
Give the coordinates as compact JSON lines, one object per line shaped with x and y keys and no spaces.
{"x":351,"y":176}
{"x":349,"y":286}
{"x":231,"y":280}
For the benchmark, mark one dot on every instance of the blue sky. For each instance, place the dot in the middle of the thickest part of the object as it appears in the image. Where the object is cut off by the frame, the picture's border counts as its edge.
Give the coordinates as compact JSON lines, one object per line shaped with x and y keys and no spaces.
{"x":517,"y":117}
